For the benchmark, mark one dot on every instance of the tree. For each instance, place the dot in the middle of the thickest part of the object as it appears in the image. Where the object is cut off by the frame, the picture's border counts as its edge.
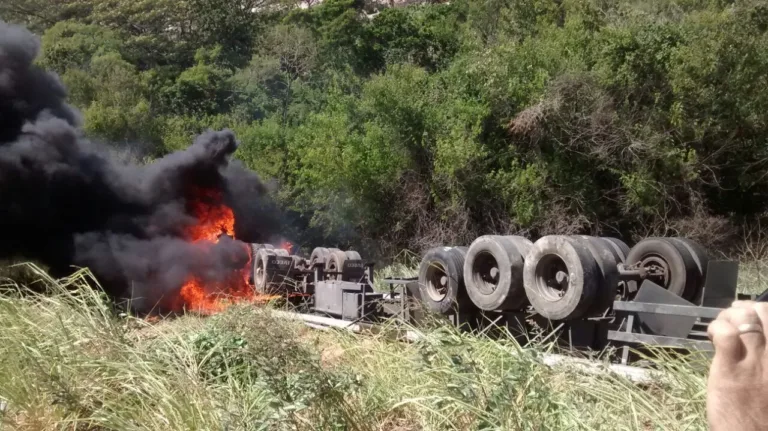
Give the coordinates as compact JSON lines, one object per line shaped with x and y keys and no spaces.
{"x":38,"y":15}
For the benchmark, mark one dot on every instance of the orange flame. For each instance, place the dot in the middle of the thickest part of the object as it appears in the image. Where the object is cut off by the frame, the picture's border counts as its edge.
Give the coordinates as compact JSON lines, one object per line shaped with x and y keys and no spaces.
{"x":287,"y":246}
{"x":215,"y":219}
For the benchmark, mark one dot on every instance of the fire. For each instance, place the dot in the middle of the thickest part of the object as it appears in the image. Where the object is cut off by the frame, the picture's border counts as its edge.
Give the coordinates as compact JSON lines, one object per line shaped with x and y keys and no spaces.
{"x":215,"y":219}
{"x":287,"y":246}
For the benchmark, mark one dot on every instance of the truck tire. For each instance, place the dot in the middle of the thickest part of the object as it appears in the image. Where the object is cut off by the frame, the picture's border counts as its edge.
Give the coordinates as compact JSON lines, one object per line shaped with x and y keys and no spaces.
{"x":319,"y":255}
{"x":700,"y":257}
{"x":353,"y":255}
{"x":265,"y":278}
{"x":259,"y":272}
{"x":441,"y":280}
{"x":254,"y":252}
{"x":620,"y":248}
{"x":493,"y":274}
{"x":606,"y":257}
{"x":561,"y":277}
{"x":335,"y":263}
{"x":682,"y":274}
{"x":522,"y":243}
{"x":460,"y":252}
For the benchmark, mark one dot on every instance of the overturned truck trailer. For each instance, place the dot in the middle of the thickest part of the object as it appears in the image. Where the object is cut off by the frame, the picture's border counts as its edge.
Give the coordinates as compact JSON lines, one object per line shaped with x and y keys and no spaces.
{"x":588,"y":292}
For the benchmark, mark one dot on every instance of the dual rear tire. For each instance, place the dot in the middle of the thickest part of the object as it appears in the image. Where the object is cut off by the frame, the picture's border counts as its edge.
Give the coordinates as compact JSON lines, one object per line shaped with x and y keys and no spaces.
{"x":332,"y":259}
{"x":571,"y":277}
{"x":681,"y":265}
{"x":568,"y":277}
{"x":561,"y":277}
{"x":441,"y":280}
{"x":493,"y":272}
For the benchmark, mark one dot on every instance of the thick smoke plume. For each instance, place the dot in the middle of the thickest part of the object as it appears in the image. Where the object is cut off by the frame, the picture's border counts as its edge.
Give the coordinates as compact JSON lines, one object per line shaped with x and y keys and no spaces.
{"x":65,"y":202}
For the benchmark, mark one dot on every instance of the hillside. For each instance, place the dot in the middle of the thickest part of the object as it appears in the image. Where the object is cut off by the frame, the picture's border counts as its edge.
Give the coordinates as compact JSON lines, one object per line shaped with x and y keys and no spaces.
{"x":433,"y":123}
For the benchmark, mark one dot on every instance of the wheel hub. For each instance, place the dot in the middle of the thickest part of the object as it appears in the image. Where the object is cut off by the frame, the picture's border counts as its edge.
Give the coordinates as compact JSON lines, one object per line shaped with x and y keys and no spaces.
{"x":657,"y":270}
{"x":437,"y":282}
{"x":485,"y":273}
{"x":552,"y":278}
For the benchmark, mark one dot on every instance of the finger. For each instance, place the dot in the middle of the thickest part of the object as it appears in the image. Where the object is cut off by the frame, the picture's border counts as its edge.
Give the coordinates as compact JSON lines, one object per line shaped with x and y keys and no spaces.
{"x":729,"y":349}
{"x":743,"y":304}
{"x":743,"y":316}
{"x":761,"y":308}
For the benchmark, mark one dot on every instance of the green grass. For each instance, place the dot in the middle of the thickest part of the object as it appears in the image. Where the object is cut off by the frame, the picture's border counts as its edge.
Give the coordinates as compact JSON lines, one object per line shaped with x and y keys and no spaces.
{"x":753,"y":277}
{"x":68,"y":361}
{"x":404,"y":265}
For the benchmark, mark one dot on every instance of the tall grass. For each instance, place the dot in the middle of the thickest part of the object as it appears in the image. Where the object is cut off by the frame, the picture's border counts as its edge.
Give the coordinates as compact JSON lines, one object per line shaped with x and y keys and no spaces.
{"x":753,"y":276}
{"x":69,"y":361}
{"x":404,"y":265}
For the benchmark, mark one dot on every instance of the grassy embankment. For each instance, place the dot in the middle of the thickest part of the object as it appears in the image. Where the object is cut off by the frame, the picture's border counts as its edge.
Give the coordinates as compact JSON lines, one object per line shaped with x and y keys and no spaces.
{"x":68,"y":362}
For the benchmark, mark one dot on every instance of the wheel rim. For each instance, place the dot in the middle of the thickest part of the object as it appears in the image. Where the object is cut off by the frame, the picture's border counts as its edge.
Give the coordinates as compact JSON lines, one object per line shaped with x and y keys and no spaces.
{"x":655,"y":263}
{"x":551,"y":278}
{"x":485,"y":273}
{"x":437,"y":281}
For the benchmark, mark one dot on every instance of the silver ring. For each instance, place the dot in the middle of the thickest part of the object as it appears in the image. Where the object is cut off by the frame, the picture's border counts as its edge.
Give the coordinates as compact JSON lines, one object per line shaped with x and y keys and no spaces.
{"x":750,"y":327}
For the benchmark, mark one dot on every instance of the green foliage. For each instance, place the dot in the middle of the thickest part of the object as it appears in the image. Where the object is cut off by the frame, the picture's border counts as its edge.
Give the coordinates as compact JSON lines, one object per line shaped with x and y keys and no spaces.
{"x":525,"y":190}
{"x":203,"y":89}
{"x":433,"y":123}
{"x":38,"y":15}
{"x":178,"y":132}
{"x":111,"y":92}
{"x":427,"y":37}
{"x":68,"y":44}
{"x":230,"y":24}
{"x":156,"y":32}
{"x":119,"y":107}
{"x":265,"y":354}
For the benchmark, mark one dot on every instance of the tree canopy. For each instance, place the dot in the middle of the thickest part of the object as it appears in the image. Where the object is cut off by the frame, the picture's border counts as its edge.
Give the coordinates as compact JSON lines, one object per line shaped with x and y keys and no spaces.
{"x":391,"y":127}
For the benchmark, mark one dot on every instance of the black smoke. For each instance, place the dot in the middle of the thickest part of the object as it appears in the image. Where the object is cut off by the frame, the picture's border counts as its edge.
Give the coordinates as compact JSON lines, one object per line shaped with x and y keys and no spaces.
{"x":66,"y":202}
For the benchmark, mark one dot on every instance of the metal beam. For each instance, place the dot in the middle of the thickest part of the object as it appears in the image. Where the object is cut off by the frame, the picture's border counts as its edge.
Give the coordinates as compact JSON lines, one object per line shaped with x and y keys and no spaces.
{"x":319,"y":320}
{"x":676,"y":310}
{"x":405,"y":280}
{"x":658,"y":340}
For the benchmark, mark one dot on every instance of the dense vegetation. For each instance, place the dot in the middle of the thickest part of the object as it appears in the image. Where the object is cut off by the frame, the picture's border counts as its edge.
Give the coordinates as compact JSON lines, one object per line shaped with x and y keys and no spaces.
{"x":433,"y":123}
